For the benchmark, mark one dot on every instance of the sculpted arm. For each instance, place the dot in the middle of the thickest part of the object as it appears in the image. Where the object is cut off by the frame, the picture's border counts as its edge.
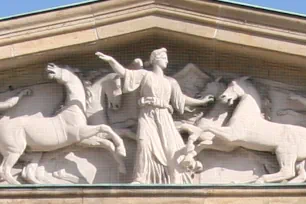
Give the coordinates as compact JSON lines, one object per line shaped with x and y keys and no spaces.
{"x":198,"y":102}
{"x":11,"y":102}
{"x":117,"y":67}
{"x":180,"y":101}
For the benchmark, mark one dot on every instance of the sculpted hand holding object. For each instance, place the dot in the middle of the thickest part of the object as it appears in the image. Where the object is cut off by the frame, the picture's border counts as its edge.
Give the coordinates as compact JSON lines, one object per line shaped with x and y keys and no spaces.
{"x":158,"y":140}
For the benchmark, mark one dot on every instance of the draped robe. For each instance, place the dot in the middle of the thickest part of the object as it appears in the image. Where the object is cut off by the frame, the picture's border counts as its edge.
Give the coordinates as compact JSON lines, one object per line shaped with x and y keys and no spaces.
{"x":159,"y":142}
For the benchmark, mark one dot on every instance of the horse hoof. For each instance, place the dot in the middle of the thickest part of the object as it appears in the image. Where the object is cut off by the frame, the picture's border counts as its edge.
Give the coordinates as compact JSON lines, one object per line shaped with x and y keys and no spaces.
{"x":206,"y":142}
{"x":120,"y":150}
{"x":62,"y":174}
{"x":260,"y":181}
{"x":135,"y":183}
{"x":198,"y":167}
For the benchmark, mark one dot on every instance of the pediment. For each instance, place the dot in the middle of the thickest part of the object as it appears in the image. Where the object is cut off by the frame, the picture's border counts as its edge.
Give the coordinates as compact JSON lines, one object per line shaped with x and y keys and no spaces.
{"x":205,"y":40}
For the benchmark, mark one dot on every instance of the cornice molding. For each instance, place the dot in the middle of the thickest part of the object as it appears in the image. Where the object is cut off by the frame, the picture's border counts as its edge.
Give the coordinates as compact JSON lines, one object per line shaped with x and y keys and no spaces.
{"x":155,"y":191}
{"x":101,"y":20}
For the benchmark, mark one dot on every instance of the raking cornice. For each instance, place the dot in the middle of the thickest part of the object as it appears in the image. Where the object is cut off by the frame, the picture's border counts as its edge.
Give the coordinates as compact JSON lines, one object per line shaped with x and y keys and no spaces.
{"x":101,"y":20}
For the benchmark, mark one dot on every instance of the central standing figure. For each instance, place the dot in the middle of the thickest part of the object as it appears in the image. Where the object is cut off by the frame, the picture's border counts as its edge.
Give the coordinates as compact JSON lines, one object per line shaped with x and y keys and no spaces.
{"x":157,"y":137}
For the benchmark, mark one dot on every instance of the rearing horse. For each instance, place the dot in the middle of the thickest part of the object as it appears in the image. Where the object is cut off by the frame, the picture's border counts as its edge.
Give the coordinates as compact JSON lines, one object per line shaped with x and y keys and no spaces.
{"x":46,"y":134}
{"x":219,"y":115}
{"x":247,"y":128}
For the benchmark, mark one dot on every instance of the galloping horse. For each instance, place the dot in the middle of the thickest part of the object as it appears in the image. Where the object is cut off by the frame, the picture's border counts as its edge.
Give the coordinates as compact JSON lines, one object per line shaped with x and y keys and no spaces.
{"x":217,"y":115}
{"x":46,"y":134}
{"x":247,"y":128}
{"x":104,"y":89}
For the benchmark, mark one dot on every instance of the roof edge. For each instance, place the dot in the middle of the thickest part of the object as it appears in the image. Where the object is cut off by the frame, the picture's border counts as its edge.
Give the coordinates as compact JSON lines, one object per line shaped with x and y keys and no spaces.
{"x":82,"y":3}
{"x":263,"y":8}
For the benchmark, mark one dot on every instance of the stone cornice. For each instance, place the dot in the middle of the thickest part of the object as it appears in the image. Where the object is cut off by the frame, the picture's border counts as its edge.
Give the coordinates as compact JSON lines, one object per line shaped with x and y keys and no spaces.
{"x":101,"y":20}
{"x":152,"y":195}
{"x":153,"y":191}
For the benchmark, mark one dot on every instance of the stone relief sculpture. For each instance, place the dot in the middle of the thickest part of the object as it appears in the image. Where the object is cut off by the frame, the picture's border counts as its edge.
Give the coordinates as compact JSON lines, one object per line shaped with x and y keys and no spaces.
{"x":286,"y":141}
{"x":139,"y":126}
{"x":218,"y":115}
{"x":158,"y":141}
{"x":65,"y":128}
{"x":108,"y":86}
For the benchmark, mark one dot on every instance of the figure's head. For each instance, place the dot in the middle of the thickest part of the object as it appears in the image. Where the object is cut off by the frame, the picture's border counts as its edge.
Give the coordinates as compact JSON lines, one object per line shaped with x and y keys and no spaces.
{"x":234,"y":91}
{"x":61,"y":75}
{"x":113,"y":90}
{"x":159,"y":58}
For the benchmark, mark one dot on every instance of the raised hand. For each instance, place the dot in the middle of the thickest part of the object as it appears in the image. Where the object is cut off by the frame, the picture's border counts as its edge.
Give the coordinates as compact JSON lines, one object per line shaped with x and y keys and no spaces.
{"x":26,"y":92}
{"x":208,"y":99}
{"x":104,"y":57}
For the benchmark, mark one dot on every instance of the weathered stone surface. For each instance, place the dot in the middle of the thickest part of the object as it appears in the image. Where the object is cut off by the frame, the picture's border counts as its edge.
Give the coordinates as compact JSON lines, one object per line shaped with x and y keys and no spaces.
{"x":226,"y":39}
{"x":275,"y":195}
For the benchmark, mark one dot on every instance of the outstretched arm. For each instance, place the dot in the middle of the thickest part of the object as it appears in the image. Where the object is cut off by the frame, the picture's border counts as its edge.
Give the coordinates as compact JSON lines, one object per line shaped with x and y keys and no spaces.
{"x":198,"y":102}
{"x":117,"y":67}
{"x":11,"y":102}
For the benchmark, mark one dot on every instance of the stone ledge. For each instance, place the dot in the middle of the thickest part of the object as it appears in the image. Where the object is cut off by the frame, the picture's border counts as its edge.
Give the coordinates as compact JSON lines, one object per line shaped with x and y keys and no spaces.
{"x":126,"y":190}
{"x":102,"y":20}
{"x":156,"y":194}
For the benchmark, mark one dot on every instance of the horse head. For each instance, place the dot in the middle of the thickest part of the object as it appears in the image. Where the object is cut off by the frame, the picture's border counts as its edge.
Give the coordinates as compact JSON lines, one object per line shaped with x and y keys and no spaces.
{"x":235,"y":90}
{"x":214,"y":88}
{"x":113,"y":91}
{"x":61,"y":74}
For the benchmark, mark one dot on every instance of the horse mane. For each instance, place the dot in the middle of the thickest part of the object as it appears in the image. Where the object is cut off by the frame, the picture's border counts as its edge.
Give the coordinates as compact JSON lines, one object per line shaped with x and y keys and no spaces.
{"x":250,"y":88}
{"x":85,"y":83}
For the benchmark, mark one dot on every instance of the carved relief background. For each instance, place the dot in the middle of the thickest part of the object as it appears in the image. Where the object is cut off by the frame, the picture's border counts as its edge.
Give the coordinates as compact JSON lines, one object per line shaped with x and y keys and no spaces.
{"x":192,"y":65}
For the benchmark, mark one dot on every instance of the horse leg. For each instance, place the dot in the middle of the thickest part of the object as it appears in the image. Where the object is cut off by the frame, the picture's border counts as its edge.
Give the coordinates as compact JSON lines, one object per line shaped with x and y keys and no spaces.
{"x":120,"y":148}
{"x":9,"y":161}
{"x":88,"y":131}
{"x":105,"y":144}
{"x":192,"y":130}
{"x":29,"y":172}
{"x":224,"y":133}
{"x":110,"y":147}
{"x":217,"y":144}
{"x":286,"y":158}
{"x":301,"y":177}
{"x":195,"y":133}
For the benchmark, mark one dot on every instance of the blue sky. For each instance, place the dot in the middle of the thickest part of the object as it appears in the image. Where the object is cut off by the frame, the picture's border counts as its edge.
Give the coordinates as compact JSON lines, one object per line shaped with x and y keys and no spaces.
{"x":295,"y":6}
{"x":16,"y":7}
